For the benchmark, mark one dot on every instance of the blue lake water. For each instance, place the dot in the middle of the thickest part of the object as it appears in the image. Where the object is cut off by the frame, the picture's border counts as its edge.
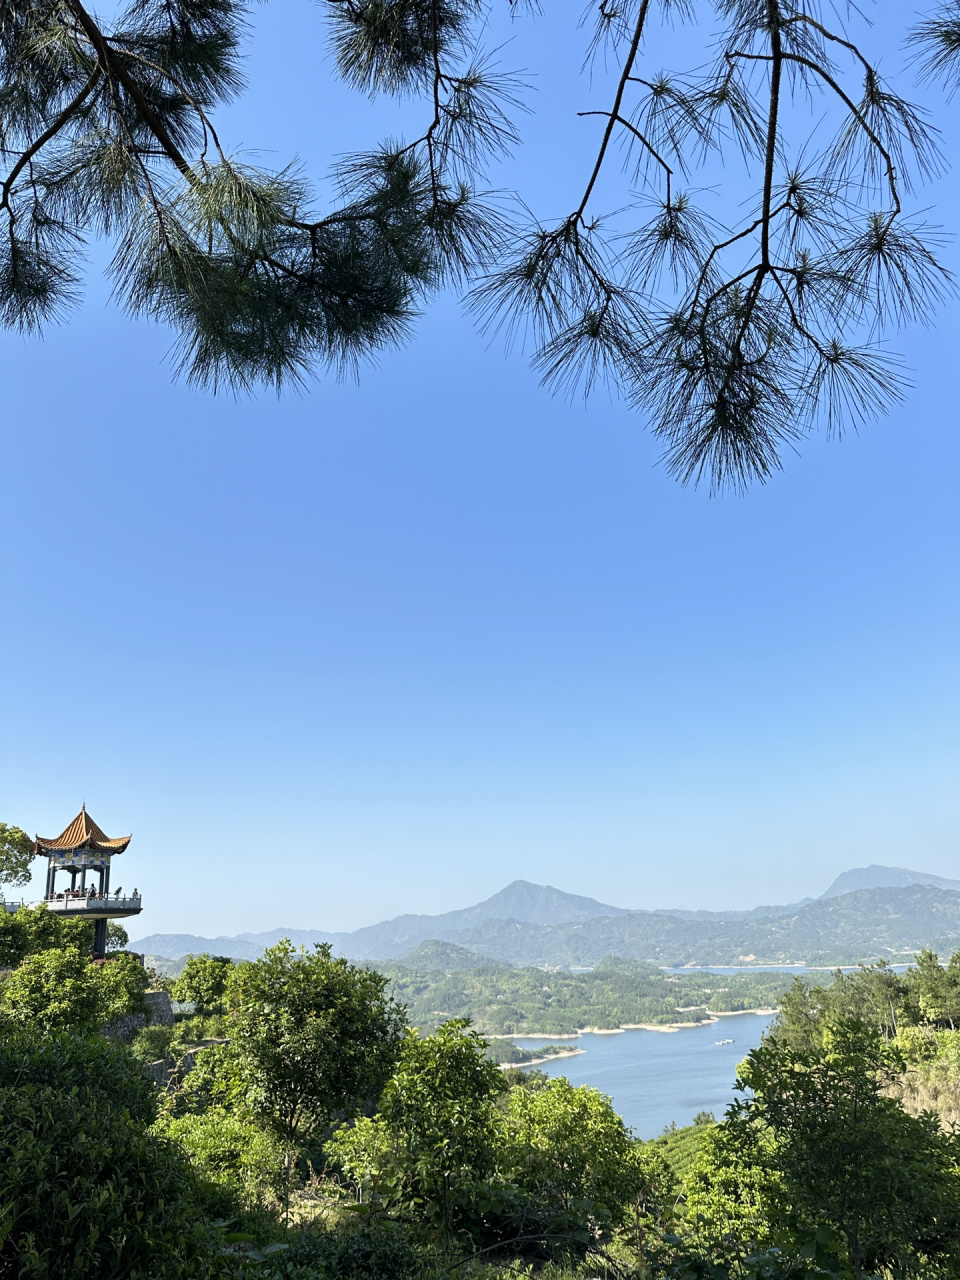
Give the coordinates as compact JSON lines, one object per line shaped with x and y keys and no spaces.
{"x":730,"y":970}
{"x":655,"y":1077}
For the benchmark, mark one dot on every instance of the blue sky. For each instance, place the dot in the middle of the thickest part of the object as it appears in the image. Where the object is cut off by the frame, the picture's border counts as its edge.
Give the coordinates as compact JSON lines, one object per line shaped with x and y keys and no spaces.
{"x":383,"y":647}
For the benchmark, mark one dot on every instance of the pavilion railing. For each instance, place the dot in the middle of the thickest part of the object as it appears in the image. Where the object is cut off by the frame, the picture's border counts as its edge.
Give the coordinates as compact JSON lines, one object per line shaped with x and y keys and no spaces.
{"x":78,"y":900}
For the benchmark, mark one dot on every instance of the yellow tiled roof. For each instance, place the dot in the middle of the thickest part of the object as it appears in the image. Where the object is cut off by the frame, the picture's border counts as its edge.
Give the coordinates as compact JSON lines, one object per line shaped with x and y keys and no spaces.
{"x":82,"y":833}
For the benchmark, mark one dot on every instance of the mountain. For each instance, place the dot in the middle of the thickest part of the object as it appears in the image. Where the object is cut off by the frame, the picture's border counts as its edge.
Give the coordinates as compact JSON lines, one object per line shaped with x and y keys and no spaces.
{"x":535,"y":904}
{"x":445,"y":957}
{"x":874,"y":877}
{"x":174,"y":945}
{"x":527,"y":924}
{"x":869,"y":924}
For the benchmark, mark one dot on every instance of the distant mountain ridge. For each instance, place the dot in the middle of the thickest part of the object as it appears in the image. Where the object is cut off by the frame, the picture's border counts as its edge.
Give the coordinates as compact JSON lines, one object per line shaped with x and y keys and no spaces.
{"x":535,"y":904}
{"x":538,"y":924}
{"x":875,"y":877}
{"x":867,"y":925}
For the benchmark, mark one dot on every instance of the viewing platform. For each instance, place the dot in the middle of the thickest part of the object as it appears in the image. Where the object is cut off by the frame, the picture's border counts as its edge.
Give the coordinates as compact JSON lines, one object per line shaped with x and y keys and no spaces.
{"x":94,"y":906}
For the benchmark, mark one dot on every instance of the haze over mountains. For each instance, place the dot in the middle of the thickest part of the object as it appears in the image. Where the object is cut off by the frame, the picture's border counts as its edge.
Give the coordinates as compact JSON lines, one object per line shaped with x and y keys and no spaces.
{"x":867,"y":913}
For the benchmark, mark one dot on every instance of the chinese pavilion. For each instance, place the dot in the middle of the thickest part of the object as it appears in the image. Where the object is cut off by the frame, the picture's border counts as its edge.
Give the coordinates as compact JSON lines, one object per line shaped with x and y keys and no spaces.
{"x":85,"y":853}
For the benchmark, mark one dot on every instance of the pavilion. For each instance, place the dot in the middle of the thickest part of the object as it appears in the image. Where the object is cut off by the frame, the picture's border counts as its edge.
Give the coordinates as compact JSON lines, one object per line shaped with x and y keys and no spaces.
{"x":82,"y":850}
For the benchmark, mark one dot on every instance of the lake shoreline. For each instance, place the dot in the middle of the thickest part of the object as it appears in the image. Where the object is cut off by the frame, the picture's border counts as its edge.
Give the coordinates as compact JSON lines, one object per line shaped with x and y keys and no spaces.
{"x":628,"y":1026}
{"x":656,"y":1080}
{"x":534,"y":1062}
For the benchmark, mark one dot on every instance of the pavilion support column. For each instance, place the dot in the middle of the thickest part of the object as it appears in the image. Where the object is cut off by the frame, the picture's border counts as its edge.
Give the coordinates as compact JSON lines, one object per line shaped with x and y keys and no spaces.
{"x":51,"y":878}
{"x":106,"y":878}
{"x":100,"y":936}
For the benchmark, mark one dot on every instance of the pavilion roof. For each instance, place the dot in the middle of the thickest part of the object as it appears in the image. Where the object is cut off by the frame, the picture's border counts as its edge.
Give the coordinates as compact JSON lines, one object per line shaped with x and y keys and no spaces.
{"x":82,"y":833}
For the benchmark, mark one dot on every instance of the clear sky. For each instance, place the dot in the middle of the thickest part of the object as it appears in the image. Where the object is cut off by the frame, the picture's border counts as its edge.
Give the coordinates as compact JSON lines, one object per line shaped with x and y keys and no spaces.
{"x":386,"y":646}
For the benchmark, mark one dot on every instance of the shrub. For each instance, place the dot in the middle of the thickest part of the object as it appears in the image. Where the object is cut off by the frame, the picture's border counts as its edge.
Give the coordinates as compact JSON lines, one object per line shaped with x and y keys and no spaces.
{"x":34,"y":929}
{"x":86,"y":1190}
{"x":214,"y":1082}
{"x":203,"y":982}
{"x":236,"y":1163}
{"x":431,"y":1150}
{"x":152,"y":1043}
{"x":574,"y":1159}
{"x":62,"y":987}
{"x":372,"y":1250}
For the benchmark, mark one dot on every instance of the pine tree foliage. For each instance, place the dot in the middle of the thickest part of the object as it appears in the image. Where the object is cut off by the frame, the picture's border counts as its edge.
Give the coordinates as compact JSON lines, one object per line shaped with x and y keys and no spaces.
{"x":733,"y":326}
{"x":108,"y":130}
{"x":736,"y":334}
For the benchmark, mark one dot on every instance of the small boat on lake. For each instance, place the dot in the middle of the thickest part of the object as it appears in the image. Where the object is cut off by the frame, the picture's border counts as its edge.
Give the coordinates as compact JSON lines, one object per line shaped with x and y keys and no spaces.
{"x":723,"y":1042}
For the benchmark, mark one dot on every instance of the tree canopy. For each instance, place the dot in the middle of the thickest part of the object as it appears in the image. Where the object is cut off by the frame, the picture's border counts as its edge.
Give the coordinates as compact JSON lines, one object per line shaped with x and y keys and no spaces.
{"x":16,"y":854}
{"x":63,"y":987}
{"x":203,"y":981}
{"x":734,"y":324}
{"x":86,"y":1189}
{"x":837,"y":1149}
{"x":313,"y":1035}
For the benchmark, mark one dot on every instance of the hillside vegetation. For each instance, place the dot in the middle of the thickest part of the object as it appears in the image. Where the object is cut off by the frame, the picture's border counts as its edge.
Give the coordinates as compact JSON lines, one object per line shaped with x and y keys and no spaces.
{"x":860,"y":927}
{"x":529,"y":924}
{"x":300,"y":1128}
{"x":527,"y":1001}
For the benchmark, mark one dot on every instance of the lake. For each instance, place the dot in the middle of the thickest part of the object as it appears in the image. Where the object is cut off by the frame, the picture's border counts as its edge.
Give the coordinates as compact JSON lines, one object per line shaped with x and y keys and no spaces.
{"x":656,"y":1077}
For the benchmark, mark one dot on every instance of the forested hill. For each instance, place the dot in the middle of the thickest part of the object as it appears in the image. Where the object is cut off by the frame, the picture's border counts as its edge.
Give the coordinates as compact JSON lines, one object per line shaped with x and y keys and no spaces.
{"x":618,"y":993}
{"x":536,"y":904}
{"x":528,"y":924}
{"x":870,"y":924}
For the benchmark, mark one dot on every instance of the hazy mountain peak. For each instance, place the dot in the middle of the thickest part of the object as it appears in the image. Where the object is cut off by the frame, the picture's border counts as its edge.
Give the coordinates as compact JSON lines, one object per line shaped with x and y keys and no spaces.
{"x":534,"y":923}
{"x":877,"y":877}
{"x":537,"y":904}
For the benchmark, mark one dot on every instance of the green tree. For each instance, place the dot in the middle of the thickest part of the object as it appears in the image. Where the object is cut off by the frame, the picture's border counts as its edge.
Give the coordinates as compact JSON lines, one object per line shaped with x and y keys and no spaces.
{"x":543,"y":1172}
{"x":875,"y":995}
{"x":315,"y":1036}
{"x":572,"y":1156}
{"x":934,"y":991}
{"x":845,"y":1155}
{"x":121,"y":982}
{"x":735,"y":328}
{"x":236,"y":1161}
{"x":438,"y":1110}
{"x":34,"y":929}
{"x":86,"y":1190}
{"x":63,"y":988}
{"x":117,"y":936}
{"x":203,"y":981}
{"x":432,"y":1148}
{"x":16,"y":855}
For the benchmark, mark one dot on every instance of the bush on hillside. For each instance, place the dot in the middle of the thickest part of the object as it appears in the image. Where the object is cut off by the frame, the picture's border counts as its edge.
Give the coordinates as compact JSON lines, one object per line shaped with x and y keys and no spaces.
{"x":30,"y":930}
{"x":235,"y":1162}
{"x":377,"y":1249}
{"x":86,"y":1190}
{"x":580,"y":1173}
{"x":62,"y":987}
{"x":152,"y":1043}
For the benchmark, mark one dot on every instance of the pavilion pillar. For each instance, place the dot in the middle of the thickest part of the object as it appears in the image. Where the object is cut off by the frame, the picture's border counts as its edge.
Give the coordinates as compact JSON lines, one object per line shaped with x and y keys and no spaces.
{"x":100,"y":936}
